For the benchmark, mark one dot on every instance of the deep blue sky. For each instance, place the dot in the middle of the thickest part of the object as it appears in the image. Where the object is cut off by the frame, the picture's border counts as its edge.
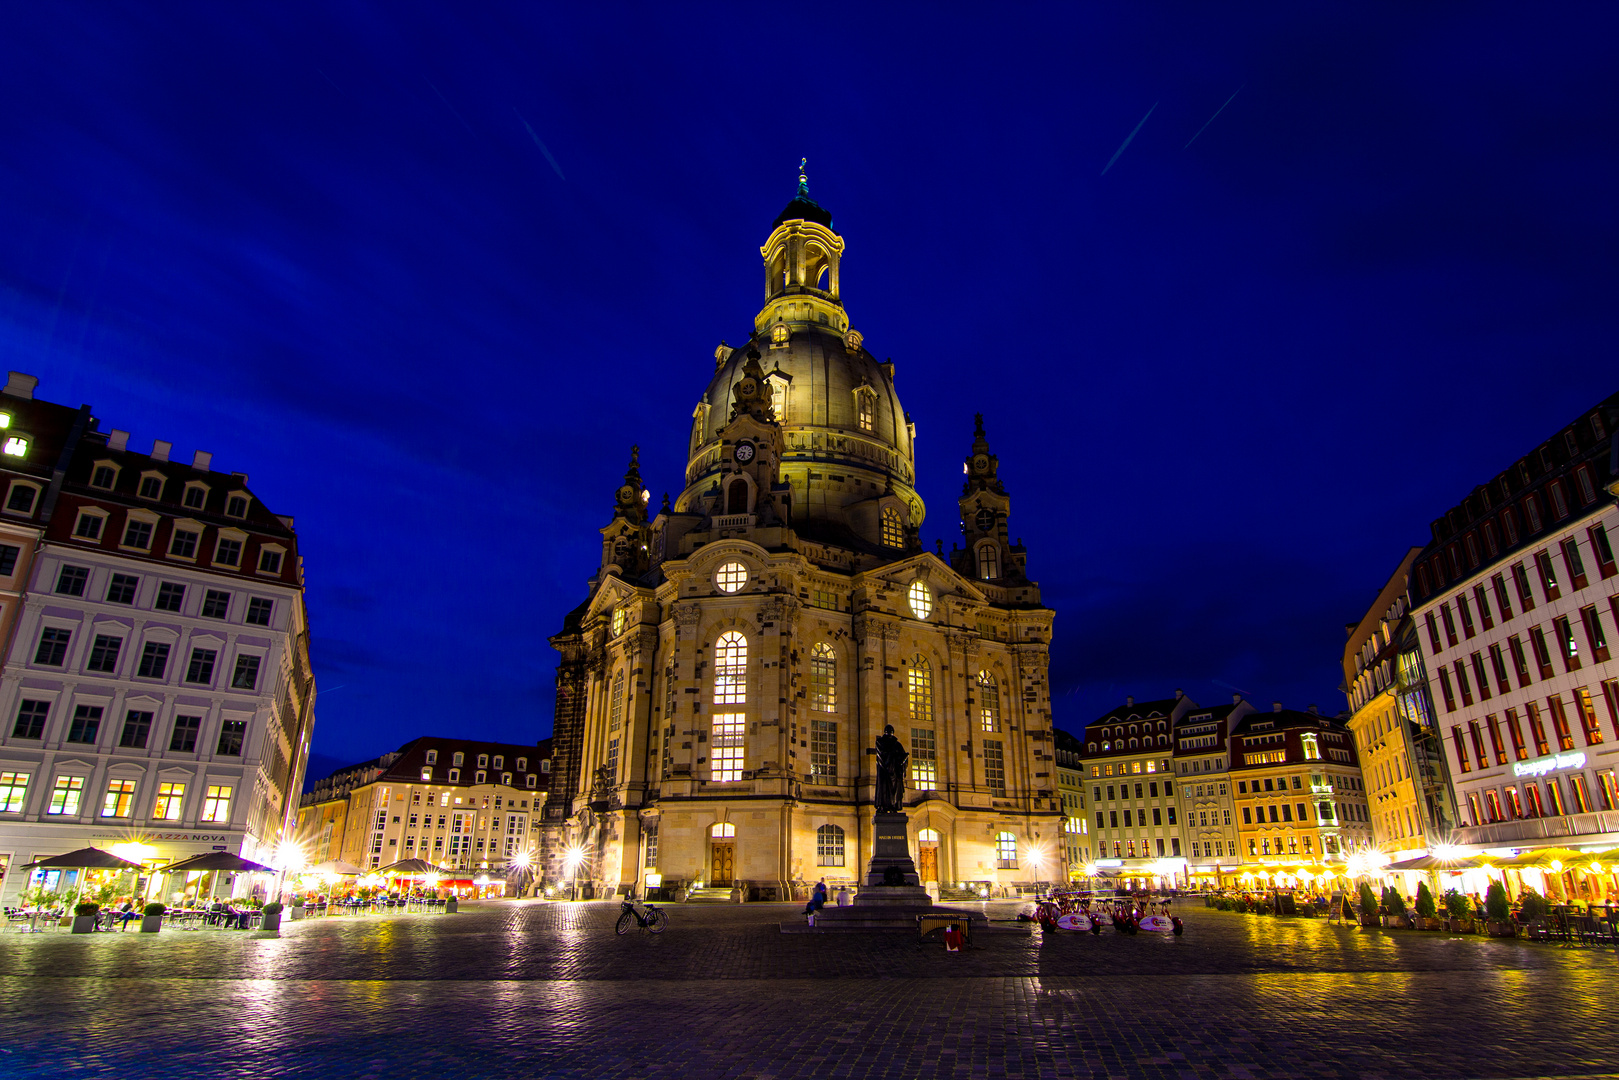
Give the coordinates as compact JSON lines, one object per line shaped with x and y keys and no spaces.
{"x":1229,"y":384}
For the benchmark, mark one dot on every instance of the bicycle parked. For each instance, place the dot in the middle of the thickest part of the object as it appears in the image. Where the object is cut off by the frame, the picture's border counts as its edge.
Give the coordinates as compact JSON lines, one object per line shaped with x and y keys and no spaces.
{"x":653,"y":919}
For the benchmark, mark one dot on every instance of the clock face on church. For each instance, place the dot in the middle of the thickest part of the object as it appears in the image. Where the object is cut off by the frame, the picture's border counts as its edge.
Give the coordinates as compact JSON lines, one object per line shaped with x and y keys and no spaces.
{"x":744,"y":452}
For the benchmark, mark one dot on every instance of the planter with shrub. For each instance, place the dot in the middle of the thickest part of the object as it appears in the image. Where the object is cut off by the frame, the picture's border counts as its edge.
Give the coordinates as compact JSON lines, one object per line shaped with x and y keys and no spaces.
{"x":297,"y":908}
{"x":152,"y":918}
{"x":84,"y":917}
{"x":1368,"y":905}
{"x":1393,"y":908}
{"x":272,"y":917}
{"x":1533,"y":910}
{"x":1459,"y":913}
{"x":1497,"y":912}
{"x":1426,"y":909}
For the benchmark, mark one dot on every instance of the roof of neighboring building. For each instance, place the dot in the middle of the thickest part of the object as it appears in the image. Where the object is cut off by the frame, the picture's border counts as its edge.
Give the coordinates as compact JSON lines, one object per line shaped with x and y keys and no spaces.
{"x":1139,"y":710}
{"x":407,"y":768}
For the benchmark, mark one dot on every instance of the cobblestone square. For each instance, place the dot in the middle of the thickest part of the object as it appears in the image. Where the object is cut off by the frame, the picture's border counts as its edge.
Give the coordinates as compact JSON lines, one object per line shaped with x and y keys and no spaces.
{"x":537,"y":989}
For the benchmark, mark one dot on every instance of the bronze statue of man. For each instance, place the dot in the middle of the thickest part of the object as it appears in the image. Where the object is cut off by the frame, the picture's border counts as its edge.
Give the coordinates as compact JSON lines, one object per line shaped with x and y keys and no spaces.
{"x":891,"y":759}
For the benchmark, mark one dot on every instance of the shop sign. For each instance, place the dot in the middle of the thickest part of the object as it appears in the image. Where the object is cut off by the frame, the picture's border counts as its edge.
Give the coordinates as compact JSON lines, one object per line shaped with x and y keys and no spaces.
{"x":1542,"y":766}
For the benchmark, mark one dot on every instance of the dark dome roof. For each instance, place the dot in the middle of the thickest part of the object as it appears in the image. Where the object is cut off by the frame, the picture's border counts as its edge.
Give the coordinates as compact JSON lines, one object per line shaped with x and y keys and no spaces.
{"x":806,"y":208}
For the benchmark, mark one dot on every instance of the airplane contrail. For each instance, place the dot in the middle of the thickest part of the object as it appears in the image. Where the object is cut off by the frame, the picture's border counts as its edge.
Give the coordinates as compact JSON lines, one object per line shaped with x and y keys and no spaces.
{"x":1126,"y":142}
{"x":447,"y":105}
{"x":1210,"y":120}
{"x":541,"y":145}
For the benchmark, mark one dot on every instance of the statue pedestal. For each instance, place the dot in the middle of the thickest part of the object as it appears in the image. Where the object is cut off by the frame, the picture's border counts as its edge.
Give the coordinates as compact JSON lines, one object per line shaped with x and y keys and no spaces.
{"x":891,"y":879}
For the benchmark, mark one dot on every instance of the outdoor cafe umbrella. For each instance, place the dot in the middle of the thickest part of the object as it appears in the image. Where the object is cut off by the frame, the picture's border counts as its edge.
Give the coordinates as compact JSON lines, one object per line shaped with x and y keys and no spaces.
{"x":217,"y":860}
{"x":410,"y":868}
{"x":336,"y":867}
{"x":90,"y":858}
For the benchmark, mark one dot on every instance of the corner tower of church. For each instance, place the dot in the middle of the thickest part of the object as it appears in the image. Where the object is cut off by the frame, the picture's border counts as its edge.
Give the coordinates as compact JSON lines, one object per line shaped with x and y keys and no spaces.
{"x":740,"y":650}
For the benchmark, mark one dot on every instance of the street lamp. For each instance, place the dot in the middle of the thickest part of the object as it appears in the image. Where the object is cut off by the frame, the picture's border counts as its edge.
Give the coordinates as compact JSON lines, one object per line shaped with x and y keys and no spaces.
{"x":572,"y":859}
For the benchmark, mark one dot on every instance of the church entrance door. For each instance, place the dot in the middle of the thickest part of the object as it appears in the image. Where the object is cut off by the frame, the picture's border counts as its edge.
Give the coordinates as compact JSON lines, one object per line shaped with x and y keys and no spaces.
{"x":724,"y":864}
{"x":928,"y":866}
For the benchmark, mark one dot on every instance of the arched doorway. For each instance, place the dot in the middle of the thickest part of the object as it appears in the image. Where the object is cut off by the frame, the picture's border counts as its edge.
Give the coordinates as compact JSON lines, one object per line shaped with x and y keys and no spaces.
{"x":736,"y":497}
{"x":722,"y":854}
{"x":927,"y":856}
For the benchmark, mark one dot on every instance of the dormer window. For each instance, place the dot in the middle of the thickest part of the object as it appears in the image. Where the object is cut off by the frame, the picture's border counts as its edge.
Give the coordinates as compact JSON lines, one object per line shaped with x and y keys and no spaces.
{"x":104,"y":476}
{"x":533,"y":781}
{"x":270,"y":559}
{"x":458,"y":759}
{"x":427,"y":772}
{"x":500,"y":761}
{"x":432,"y":757}
{"x":15,"y":446}
{"x":236,"y":506}
{"x":20,"y":500}
{"x":480,"y":777}
{"x":228,"y":552}
{"x":151,"y":485}
{"x":506,"y":778}
{"x":196,"y":495}
{"x":455,"y":776}
{"x":545,"y":765}
{"x":90,"y":524}
{"x":522,"y":764}
{"x":483,"y":761}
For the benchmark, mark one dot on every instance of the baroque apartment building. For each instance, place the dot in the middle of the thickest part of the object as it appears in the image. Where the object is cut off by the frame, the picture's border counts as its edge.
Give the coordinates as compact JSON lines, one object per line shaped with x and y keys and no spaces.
{"x":1207,"y":793}
{"x":1136,"y":813}
{"x":742,"y":647}
{"x":1516,"y":601}
{"x":1076,"y":828}
{"x":465,"y":806}
{"x":1391,"y":718}
{"x":157,"y":689}
{"x":1300,"y":800}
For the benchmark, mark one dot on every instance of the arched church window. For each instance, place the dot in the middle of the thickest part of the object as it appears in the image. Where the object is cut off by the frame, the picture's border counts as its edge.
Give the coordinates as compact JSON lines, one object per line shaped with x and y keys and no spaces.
{"x":731,"y":577}
{"x":621,"y":615}
{"x":919,"y":689}
{"x":893,"y":531}
{"x":829,"y":846}
{"x":989,"y":702}
{"x":731,"y":669}
{"x":989,"y":561}
{"x":724,"y":830}
{"x":920,"y":599}
{"x":736,"y":497}
{"x":615,"y":711}
{"x":867,"y":409}
{"x":823,"y":678}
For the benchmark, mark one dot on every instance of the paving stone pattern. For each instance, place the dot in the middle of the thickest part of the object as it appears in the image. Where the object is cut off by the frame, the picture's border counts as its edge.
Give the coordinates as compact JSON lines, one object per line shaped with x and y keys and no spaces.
{"x":547,"y":990}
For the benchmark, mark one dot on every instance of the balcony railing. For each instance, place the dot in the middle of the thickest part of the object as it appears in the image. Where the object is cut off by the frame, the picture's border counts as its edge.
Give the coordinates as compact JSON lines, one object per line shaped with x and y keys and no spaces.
{"x":1512,"y":833}
{"x":733,"y":521}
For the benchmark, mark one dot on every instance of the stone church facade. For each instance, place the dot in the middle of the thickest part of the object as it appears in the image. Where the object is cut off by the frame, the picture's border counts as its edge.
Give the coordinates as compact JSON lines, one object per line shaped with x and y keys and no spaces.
{"x":719,"y":692}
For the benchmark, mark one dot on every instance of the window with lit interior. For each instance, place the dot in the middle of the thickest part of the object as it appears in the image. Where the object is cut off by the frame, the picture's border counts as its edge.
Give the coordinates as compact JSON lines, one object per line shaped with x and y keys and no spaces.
{"x":919,"y":689}
{"x":730,"y":577}
{"x":823,"y":678}
{"x":829,"y":846}
{"x":989,"y":561}
{"x":893,"y":531}
{"x":921,"y":599}
{"x":989,"y":702}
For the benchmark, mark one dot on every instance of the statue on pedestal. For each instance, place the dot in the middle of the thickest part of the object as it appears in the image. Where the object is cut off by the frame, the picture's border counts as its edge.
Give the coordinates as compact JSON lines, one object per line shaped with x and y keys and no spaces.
{"x":891,"y":760}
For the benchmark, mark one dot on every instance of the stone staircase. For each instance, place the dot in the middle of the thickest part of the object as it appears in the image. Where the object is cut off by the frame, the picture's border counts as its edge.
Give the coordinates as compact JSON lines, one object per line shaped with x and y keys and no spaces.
{"x":947,"y":894}
{"x":709,"y":894}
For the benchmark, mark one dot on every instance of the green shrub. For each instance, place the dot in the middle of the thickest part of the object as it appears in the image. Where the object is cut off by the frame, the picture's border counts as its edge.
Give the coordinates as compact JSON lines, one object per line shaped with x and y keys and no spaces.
{"x":1368,"y":899}
{"x":87,"y":908}
{"x":1533,"y":904}
{"x":272,"y":908}
{"x":1425,"y":904}
{"x":1496,"y":907}
{"x":154,"y":908}
{"x":1457,"y":905}
{"x":1393,"y":902}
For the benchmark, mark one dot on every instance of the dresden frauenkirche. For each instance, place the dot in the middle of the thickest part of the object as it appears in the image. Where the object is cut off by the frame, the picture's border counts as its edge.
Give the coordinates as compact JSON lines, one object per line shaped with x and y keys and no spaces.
{"x":720,"y":692}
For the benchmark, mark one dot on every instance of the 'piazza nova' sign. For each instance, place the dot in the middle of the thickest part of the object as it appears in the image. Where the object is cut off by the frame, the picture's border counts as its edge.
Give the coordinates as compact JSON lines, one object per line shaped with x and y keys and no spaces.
{"x":1542,"y":766}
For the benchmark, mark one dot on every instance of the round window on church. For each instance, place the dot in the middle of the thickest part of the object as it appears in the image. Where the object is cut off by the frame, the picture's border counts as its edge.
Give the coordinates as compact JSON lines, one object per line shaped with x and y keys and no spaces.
{"x":921,"y":599}
{"x":731,"y":577}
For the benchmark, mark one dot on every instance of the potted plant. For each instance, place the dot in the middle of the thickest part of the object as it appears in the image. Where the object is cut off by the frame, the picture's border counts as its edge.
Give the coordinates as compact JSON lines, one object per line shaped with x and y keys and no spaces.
{"x":272,"y":917}
{"x":1368,"y":905}
{"x":1393,"y":907}
{"x":84,"y":917}
{"x":152,"y":917}
{"x":452,"y":905}
{"x":1497,"y":913}
{"x":1533,"y":910}
{"x":297,"y":907}
{"x":1460,"y":911}
{"x":1426,"y":909}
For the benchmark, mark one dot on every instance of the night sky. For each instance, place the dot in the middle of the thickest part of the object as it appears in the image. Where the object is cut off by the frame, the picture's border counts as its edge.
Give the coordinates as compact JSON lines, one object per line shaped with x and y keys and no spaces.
{"x":425,"y":273}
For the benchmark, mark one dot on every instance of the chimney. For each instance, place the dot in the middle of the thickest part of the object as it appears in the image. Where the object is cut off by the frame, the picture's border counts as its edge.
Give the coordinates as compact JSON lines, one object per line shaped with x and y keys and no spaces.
{"x":201,"y":460}
{"x":1276,"y":706}
{"x":1179,"y":693}
{"x":1313,"y":711}
{"x":160,"y":450}
{"x":242,"y":476}
{"x":20,"y":385}
{"x":1236,"y":699}
{"x":1128,"y":701}
{"x":118,"y":440}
